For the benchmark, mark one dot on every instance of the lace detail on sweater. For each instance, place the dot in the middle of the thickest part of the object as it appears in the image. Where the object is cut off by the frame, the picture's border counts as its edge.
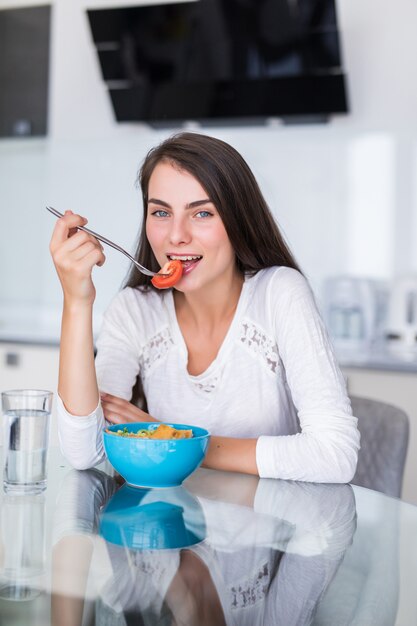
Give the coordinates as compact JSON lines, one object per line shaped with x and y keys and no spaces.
{"x":259,"y":343}
{"x":148,"y":565}
{"x":208,"y":386}
{"x":155,"y":350}
{"x":250,"y":590}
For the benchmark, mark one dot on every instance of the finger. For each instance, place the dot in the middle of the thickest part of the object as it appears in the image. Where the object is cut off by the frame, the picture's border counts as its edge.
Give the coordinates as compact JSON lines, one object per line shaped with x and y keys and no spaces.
{"x":122,"y":404}
{"x":95,"y":257}
{"x":108,"y":397}
{"x":89,"y":244}
{"x":81,"y":260}
{"x":71,"y":221}
{"x":82,"y":267}
{"x":130,"y":412}
{"x":64,"y":225}
{"x":85,"y":248}
{"x":111,"y":408}
{"x":115,"y":419}
{"x":101,"y":261}
{"x":71,"y":252}
{"x":77,"y":240}
{"x":119,"y":403}
{"x":72,"y":231}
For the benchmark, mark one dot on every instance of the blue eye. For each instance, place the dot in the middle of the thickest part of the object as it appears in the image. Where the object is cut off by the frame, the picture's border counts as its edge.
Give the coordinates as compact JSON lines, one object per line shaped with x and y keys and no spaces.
{"x":202,"y":214}
{"x":160,"y":213}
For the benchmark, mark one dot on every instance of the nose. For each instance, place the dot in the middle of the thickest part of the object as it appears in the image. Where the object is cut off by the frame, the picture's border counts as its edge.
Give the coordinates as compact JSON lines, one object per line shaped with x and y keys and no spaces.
{"x":179,"y":232}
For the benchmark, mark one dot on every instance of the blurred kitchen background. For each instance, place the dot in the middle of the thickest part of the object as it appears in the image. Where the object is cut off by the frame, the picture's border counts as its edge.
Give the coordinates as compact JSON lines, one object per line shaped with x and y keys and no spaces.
{"x":342,"y":185}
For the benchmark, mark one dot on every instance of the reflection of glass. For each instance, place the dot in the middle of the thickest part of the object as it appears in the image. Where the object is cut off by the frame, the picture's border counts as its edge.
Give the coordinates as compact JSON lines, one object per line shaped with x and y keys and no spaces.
{"x":22,"y":535}
{"x":26,"y":414}
{"x":153,"y":519}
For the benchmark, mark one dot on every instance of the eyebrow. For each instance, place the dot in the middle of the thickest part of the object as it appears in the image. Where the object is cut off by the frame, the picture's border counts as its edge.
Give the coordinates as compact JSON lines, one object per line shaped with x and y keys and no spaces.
{"x":190,"y":205}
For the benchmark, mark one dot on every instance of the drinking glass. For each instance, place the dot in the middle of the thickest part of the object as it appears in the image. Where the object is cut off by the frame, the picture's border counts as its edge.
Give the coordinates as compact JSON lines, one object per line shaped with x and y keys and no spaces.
{"x":26,"y":416}
{"x":23,"y":543}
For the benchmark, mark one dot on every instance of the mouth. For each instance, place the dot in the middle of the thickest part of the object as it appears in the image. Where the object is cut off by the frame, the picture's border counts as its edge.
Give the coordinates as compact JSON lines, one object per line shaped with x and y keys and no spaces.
{"x":189,"y":261}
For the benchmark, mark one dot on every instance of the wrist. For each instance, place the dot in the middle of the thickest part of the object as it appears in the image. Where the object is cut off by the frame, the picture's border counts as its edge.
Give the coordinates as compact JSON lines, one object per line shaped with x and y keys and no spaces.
{"x":231,"y":455}
{"x":78,"y":306}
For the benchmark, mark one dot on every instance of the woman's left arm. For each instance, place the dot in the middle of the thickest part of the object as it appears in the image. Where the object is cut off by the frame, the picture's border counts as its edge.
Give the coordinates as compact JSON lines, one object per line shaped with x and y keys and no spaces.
{"x":224,"y":453}
{"x":232,"y":455}
{"x":326,"y":448}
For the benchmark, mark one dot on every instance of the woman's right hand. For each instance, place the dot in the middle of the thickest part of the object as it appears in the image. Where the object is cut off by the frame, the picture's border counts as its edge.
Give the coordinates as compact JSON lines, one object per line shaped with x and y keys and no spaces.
{"x":75,"y":253}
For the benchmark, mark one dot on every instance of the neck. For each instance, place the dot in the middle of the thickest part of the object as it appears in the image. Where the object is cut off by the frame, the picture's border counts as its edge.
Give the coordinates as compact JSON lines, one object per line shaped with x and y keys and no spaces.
{"x":213,"y":304}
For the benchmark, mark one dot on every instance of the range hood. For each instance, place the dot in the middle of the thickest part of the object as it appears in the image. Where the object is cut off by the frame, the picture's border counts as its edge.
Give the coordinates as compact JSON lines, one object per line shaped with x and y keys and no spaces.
{"x":218,"y":61}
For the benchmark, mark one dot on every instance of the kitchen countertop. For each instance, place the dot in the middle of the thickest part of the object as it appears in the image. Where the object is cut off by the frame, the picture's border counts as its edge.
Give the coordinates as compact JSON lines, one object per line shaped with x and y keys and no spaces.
{"x":34,"y":326}
{"x":43,"y":327}
{"x":35,"y":335}
{"x":379,"y":358}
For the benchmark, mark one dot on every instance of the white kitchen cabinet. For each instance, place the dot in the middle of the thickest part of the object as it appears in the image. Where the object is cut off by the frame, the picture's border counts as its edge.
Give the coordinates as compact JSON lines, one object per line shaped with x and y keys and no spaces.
{"x":31,"y":367}
{"x":400,"y":389}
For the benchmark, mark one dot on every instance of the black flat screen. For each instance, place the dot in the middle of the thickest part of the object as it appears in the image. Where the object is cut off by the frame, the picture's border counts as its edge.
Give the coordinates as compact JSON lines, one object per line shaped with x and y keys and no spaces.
{"x":221,"y":59}
{"x":24,"y":70}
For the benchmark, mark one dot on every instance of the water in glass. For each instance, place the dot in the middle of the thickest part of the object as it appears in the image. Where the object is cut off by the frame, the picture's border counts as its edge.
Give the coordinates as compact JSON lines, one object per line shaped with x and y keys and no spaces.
{"x":26,"y":434}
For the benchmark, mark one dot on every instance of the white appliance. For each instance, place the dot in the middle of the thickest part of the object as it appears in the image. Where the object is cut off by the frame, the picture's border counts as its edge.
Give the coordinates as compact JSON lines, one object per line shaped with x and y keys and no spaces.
{"x":354,"y":310}
{"x":401,"y":326}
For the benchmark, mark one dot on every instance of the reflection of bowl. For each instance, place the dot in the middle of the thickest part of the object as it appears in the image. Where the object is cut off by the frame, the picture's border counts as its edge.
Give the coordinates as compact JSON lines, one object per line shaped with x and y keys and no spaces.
{"x":155,"y":462}
{"x":151,"y":519}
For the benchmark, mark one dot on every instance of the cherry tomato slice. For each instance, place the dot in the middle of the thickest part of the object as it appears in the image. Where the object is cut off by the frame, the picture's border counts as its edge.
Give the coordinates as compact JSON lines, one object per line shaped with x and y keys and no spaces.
{"x":174,"y":271}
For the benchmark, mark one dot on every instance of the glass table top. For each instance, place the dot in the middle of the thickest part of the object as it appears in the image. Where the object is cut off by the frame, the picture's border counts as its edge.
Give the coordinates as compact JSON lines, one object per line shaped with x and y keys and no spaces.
{"x":223,"y":548}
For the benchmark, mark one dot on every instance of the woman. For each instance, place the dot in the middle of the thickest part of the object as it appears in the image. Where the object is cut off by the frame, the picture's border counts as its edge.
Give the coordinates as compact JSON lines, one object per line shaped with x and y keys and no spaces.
{"x":237,"y":346}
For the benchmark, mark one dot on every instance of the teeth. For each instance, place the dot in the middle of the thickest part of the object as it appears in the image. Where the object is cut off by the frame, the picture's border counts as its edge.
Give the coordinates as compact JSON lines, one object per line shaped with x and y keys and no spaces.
{"x":176,"y":257}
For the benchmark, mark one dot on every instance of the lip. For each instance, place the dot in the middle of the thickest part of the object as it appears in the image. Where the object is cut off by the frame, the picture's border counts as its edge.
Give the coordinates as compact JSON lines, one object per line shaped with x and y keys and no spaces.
{"x":169,"y":254}
{"x":189,"y":266}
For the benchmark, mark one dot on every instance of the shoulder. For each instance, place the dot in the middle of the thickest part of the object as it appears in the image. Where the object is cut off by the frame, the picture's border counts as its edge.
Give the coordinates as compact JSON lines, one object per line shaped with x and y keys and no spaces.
{"x":135,"y":300}
{"x":280,"y":284}
{"x":282,"y":297}
{"x":133,"y":309}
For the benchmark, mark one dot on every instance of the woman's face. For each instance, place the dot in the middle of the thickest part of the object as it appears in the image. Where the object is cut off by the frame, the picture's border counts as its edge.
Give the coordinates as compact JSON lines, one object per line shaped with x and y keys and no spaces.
{"x":183,"y":223}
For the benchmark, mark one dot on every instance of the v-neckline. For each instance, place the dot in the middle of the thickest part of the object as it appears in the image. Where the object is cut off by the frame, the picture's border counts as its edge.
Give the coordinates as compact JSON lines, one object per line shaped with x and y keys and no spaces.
{"x":227,"y":340}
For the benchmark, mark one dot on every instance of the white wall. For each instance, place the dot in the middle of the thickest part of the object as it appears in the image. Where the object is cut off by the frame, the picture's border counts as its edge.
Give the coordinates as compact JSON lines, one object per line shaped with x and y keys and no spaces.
{"x":345,"y":193}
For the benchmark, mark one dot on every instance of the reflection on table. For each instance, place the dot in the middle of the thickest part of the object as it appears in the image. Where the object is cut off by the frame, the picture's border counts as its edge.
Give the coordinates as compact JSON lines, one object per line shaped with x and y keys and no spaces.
{"x":264,"y":551}
{"x":222,"y":549}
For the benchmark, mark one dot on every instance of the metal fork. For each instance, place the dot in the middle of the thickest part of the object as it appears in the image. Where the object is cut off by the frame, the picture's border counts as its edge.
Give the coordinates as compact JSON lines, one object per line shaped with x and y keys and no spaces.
{"x":140,"y":267}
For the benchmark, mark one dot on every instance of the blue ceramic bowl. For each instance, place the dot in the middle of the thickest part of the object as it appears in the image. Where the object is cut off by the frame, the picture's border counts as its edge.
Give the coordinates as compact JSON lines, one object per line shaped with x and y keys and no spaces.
{"x":153,"y":519}
{"x":155,"y":462}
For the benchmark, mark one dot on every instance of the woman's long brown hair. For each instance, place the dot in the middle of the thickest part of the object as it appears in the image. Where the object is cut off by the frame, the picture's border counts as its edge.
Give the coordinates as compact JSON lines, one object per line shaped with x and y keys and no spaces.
{"x":233,"y":189}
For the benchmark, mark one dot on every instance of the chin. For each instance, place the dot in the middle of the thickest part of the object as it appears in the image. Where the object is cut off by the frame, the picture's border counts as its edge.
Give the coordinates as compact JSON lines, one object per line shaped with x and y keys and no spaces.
{"x":185,"y":288}
{"x":187,"y":285}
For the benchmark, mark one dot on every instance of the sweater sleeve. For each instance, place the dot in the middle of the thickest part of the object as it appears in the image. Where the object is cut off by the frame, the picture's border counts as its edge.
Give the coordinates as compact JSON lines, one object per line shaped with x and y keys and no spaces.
{"x":80,"y":500}
{"x":322,"y":516}
{"x":326,"y":448}
{"x":80,"y":437}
